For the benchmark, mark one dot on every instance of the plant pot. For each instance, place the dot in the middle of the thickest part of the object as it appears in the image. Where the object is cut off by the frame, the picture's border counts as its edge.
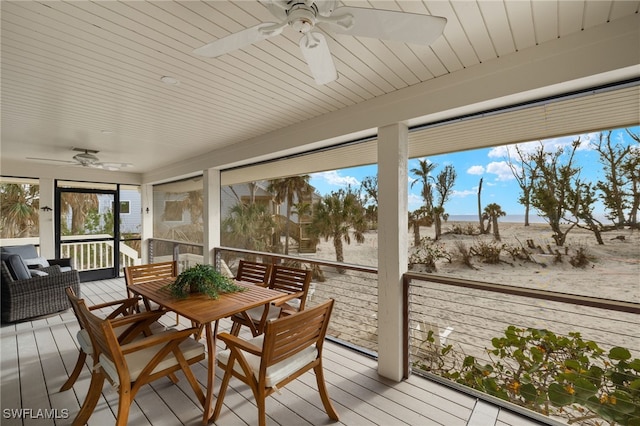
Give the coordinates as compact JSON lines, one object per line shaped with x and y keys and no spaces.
{"x":193,"y":288}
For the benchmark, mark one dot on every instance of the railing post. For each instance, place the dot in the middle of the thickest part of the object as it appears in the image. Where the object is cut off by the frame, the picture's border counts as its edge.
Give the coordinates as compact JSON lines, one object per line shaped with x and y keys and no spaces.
{"x":150,"y":249}
{"x":176,"y":252}
{"x":405,"y":327}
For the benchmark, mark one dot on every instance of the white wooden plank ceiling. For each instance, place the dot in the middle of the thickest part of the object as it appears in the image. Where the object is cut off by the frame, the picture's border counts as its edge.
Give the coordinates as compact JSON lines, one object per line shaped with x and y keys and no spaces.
{"x":87,"y":73}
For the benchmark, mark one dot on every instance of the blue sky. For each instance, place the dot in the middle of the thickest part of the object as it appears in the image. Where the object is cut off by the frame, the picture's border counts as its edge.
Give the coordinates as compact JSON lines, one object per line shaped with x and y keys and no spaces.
{"x":499,"y":185}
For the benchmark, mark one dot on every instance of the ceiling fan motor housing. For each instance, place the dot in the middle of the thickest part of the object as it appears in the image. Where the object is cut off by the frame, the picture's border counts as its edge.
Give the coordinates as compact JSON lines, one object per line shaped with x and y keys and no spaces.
{"x":302,"y":17}
{"x":86,"y":159}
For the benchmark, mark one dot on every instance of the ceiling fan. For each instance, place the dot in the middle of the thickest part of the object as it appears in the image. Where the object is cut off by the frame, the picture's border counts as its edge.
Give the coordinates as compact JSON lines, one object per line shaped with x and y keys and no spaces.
{"x":304,"y":15}
{"x":87,"y":158}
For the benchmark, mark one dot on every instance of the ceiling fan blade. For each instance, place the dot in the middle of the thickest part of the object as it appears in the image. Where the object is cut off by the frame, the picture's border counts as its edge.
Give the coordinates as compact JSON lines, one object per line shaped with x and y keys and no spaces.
{"x":51,"y":159}
{"x":111,"y":166}
{"x":316,"y":52}
{"x":386,"y":24}
{"x":240,"y":39}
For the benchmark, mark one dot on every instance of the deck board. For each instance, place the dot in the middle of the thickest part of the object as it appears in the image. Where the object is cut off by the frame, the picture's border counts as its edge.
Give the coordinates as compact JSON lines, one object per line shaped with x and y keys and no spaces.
{"x":37,"y":356}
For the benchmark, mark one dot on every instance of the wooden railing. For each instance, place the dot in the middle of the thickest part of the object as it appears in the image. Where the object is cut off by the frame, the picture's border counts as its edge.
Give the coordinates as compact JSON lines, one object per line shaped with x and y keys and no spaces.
{"x":88,"y":255}
{"x":91,"y":255}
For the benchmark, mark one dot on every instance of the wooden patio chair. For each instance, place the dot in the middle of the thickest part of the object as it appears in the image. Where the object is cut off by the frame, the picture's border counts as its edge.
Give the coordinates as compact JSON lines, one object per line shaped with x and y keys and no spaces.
{"x":289,"y":347}
{"x":253,"y":272}
{"x":117,"y":308}
{"x":130,"y":365}
{"x":293,"y":282}
{"x":139,"y":274}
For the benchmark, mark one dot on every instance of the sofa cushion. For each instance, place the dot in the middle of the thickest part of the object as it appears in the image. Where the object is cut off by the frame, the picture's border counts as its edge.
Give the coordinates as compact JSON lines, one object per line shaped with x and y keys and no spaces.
{"x":27,"y":251}
{"x":39,"y":262}
{"x":37,"y":273}
{"x":17,"y":267}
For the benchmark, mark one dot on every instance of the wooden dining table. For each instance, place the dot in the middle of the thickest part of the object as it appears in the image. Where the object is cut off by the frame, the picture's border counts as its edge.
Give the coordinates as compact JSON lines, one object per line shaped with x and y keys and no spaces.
{"x":204,"y":311}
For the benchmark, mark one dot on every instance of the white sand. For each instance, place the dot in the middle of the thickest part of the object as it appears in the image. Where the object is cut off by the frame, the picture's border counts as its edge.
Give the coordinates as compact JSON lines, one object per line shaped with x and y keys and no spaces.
{"x":612,"y":273}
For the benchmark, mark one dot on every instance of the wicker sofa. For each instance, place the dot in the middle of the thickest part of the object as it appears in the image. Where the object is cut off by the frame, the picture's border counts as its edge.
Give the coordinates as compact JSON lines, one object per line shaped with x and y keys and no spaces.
{"x":36,"y":292}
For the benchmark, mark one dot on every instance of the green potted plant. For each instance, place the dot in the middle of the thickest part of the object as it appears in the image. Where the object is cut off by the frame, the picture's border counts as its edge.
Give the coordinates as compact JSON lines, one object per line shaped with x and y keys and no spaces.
{"x":202,"y":279}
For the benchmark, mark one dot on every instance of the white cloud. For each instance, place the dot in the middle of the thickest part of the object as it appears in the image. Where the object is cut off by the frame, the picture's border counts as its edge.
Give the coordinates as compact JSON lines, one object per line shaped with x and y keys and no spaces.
{"x":501,"y":169}
{"x":415,"y":201}
{"x":464,"y":193}
{"x":550,"y":145}
{"x":475,"y":170}
{"x":333,"y":178}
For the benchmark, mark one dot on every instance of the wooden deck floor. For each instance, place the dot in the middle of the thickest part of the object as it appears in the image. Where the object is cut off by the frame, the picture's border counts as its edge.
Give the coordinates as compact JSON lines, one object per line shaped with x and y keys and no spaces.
{"x":37,"y":356}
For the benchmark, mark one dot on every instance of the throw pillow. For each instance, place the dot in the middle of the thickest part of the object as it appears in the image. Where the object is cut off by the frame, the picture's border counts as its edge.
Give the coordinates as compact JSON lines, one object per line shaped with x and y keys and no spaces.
{"x":38,"y":262}
{"x":36,"y":273}
{"x":17,"y":267}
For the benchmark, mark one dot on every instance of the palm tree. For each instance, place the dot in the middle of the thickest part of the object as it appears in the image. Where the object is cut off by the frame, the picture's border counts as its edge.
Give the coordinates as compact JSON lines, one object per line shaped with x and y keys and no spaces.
{"x":79,"y":205}
{"x":335,"y":216}
{"x":285,"y":190}
{"x":443,"y":185}
{"x":418,"y":218}
{"x":423,"y":172}
{"x":19,"y":204}
{"x":493,"y":212}
{"x":249,"y":227}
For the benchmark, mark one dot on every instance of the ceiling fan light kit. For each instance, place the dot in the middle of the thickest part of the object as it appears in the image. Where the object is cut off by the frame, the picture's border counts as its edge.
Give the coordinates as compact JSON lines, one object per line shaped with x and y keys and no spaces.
{"x":304,"y":15}
{"x":86,"y":158}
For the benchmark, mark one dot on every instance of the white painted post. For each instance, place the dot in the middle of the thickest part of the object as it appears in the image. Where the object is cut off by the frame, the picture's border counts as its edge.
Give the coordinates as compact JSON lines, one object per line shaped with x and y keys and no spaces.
{"x":146,"y":196}
{"x":392,"y":245}
{"x":46,"y":218}
{"x":211,"y":181}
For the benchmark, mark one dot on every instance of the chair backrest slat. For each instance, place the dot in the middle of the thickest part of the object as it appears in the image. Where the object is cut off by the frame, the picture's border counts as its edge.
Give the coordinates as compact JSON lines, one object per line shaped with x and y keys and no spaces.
{"x":289,"y":335}
{"x":291,"y":280}
{"x":253,"y":272}
{"x":99,"y":330}
{"x":154,"y":271}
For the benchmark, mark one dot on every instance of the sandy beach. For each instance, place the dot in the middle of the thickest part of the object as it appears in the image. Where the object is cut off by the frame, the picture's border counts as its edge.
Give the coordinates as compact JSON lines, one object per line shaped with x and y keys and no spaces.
{"x":612,"y":272}
{"x":614,"y":267}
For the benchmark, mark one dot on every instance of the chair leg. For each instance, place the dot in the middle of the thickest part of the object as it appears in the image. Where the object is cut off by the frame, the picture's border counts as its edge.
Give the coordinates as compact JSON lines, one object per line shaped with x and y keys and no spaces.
{"x":261,"y":402}
{"x":82,"y":356}
{"x":95,"y":390}
{"x":221,"y":393}
{"x":174,"y":379}
{"x":124,"y":404}
{"x":194,"y":384}
{"x":235,"y":328}
{"x":324,"y":395}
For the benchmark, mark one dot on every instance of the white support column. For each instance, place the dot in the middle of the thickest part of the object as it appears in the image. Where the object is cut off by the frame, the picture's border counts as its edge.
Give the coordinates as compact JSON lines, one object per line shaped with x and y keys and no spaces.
{"x":146,"y":196}
{"x":46,"y":218}
{"x":392,"y":245}
{"x":211,"y":213}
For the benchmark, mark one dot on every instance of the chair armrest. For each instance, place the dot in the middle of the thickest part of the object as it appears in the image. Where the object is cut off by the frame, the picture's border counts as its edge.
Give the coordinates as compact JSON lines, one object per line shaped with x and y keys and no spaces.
{"x":66,"y":261}
{"x":156,"y":339}
{"x":234,"y":341}
{"x":115,"y":302}
{"x":51,"y":270}
{"x":284,"y":299}
{"x":147,"y":316}
{"x":36,"y":285}
{"x":126,"y":307}
{"x":137,"y":324}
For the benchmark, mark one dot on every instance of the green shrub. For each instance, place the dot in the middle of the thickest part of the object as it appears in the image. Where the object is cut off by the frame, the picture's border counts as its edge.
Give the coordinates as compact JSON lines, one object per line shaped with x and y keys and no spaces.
{"x":555,"y":375}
